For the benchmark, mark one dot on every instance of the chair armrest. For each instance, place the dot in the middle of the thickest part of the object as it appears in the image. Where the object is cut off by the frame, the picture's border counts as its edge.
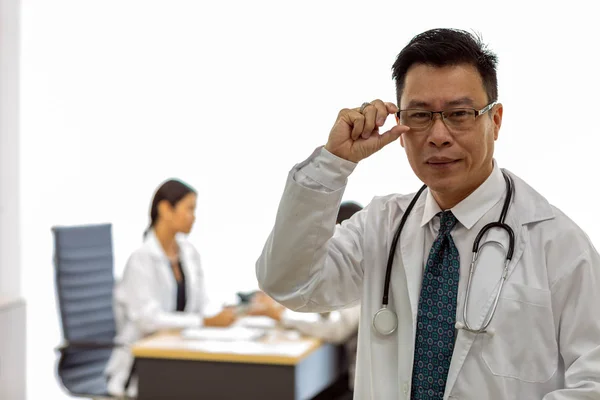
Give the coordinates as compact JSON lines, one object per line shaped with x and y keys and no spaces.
{"x":88,"y":344}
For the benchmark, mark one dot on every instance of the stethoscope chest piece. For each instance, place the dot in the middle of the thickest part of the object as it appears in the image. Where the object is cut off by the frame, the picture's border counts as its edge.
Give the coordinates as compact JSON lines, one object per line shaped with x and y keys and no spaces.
{"x":385,"y":321}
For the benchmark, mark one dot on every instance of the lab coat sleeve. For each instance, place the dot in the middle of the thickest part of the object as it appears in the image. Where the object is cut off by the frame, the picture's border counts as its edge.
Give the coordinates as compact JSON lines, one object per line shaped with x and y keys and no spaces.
{"x":206,"y":306}
{"x":575,"y":300}
{"x":138,"y":292}
{"x":308,"y":264}
{"x":337,"y":328}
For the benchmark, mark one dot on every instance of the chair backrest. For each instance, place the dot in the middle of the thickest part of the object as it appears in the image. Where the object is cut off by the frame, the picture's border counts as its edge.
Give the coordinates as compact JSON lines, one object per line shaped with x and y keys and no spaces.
{"x":83,"y":261}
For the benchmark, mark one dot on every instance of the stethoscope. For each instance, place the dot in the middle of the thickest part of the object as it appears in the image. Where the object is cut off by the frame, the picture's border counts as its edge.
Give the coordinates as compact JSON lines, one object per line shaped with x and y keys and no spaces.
{"x":385,"y":321}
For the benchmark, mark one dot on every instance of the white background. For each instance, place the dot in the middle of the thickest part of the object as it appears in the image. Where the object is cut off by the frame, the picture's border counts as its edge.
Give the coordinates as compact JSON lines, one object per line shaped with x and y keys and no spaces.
{"x":228,"y":95}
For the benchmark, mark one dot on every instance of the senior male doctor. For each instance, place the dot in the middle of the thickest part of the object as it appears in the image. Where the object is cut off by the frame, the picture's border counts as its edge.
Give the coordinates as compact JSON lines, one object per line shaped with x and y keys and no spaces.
{"x":530,"y":329}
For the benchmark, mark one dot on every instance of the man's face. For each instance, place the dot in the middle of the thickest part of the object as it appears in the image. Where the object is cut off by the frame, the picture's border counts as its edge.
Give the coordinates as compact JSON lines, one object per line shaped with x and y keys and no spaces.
{"x":452,"y":163}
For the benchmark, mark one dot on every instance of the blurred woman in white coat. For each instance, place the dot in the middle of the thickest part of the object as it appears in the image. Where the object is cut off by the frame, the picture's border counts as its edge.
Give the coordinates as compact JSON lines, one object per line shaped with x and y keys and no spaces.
{"x":163,"y":284}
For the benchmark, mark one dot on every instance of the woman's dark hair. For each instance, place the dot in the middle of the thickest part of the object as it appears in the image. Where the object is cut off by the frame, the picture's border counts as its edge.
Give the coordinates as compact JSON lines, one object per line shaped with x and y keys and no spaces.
{"x":447,"y":47}
{"x":347,"y":209}
{"x":172,"y":190}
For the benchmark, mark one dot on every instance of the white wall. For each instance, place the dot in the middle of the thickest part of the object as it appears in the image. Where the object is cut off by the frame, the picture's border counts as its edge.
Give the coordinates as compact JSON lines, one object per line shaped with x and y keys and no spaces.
{"x":12,"y":349}
{"x":12,"y":306}
{"x":228,"y":95}
{"x":10,"y":276}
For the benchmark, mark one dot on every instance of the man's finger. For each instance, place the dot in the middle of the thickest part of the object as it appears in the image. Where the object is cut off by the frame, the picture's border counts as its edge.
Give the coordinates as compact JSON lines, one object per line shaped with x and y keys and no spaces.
{"x":370,"y":113}
{"x":391,"y":108}
{"x":391,"y":135}
{"x":357,"y":121}
{"x":382,"y":113}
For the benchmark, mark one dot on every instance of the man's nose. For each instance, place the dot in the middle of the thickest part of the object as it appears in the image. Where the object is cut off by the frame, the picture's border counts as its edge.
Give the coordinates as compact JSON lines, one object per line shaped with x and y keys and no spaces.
{"x":439,"y":134}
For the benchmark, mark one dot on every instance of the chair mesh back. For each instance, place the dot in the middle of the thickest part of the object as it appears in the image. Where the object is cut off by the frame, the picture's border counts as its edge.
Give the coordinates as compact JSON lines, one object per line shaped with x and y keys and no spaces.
{"x":83,"y":260}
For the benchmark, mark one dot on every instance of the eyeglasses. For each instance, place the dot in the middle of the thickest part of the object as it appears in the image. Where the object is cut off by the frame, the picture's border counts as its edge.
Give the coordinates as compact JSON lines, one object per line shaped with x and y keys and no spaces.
{"x":459,"y":119}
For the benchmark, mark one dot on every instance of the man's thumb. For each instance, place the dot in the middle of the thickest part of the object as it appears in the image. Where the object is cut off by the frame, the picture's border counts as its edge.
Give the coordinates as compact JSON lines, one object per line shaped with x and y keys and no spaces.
{"x":391,"y":135}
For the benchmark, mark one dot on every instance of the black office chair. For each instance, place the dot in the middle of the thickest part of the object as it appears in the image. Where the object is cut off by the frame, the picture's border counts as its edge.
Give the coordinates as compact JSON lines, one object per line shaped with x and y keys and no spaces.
{"x":83,"y":260}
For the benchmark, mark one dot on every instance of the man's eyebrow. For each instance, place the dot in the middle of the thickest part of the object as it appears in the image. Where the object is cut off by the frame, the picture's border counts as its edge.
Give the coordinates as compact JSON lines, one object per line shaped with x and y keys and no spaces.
{"x":463,"y":101}
{"x":417,"y":104}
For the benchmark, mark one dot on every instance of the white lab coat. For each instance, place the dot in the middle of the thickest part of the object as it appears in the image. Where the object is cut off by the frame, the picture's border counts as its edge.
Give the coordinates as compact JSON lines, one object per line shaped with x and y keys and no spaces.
{"x":145,"y":302}
{"x":546,"y":343}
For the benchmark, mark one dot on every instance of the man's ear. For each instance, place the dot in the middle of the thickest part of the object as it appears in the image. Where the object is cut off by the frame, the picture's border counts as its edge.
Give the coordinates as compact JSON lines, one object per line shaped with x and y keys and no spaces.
{"x":497,"y":119}
{"x":401,"y":136}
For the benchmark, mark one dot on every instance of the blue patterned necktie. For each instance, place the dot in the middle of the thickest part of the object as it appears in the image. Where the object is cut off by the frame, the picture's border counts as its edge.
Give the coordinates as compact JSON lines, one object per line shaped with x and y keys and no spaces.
{"x":436,"y":316}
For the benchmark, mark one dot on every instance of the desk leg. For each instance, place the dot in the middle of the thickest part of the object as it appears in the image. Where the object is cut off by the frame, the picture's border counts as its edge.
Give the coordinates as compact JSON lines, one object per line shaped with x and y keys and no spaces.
{"x":319,"y":371}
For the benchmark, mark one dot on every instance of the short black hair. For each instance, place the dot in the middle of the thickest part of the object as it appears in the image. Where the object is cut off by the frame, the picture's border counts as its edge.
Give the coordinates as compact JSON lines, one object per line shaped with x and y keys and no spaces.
{"x":347,"y":209}
{"x":447,"y":47}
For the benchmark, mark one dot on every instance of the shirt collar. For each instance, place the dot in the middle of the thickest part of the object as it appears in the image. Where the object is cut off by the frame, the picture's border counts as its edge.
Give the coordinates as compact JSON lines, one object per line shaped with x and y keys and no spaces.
{"x":471,"y":209}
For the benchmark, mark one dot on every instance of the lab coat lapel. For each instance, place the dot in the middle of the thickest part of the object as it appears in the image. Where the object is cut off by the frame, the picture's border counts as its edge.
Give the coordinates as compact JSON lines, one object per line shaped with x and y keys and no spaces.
{"x":162,"y":265}
{"x":391,"y":356}
{"x":488,"y":271}
{"x":189,"y":270}
{"x":527,"y":207}
{"x":411,"y":244}
{"x":484,"y":287}
{"x":486,"y":279}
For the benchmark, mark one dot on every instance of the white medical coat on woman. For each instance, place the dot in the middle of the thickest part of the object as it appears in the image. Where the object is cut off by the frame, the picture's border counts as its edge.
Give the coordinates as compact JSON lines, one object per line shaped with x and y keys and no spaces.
{"x":145,"y":301}
{"x":338,"y":327}
{"x":546,"y":341}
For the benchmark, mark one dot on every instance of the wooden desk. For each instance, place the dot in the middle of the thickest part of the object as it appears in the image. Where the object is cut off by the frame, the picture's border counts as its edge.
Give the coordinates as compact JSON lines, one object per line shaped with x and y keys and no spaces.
{"x":169,"y":367}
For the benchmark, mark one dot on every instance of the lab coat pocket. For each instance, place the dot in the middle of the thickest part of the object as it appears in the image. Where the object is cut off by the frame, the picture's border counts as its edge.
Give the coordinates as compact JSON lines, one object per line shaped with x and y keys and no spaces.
{"x":523,"y":344}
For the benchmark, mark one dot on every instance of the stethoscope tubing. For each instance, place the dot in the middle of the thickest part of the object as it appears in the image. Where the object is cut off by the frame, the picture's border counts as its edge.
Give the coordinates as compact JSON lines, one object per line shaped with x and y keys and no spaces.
{"x":476,"y":247}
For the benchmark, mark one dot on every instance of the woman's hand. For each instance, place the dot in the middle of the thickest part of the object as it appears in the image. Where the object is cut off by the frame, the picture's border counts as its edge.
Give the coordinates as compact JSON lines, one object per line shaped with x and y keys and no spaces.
{"x":263,"y":305}
{"x":222,"y":319}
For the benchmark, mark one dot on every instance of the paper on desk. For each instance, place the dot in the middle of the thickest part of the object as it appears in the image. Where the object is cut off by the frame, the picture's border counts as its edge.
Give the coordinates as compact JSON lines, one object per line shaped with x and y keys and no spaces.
{"x":235,"y":333}
{"x":255,"y":321}
{"x":288,"y":349}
